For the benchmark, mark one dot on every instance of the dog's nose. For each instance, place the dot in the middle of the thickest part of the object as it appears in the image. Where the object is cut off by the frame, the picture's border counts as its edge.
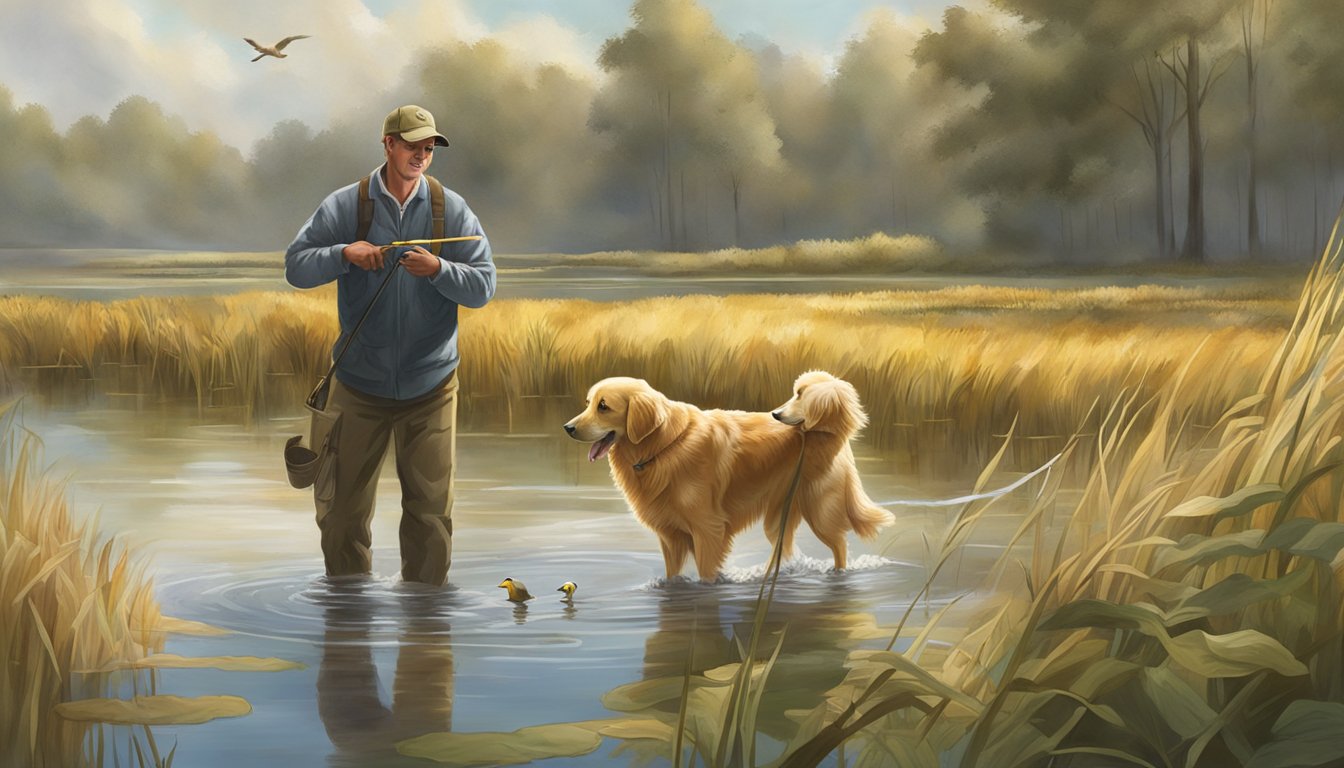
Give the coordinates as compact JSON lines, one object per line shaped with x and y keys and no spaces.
{"x":570,"y":429}
{"x":776,"y":415}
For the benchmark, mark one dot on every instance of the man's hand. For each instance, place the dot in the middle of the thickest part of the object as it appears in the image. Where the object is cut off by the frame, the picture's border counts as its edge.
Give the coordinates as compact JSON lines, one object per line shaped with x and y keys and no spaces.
{"x":364,"y":255}
{"x":420,"y":262}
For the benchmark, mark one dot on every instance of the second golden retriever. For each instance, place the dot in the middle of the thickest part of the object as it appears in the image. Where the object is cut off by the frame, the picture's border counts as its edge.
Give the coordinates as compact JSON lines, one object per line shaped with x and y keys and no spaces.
{"x":697,"y":478}
{"x":829,"y":411}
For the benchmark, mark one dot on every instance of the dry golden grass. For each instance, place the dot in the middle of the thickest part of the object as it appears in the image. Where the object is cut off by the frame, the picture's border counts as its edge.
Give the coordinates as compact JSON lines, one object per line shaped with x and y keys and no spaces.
{"x":877,"y":253}
{"x":67,"y":602}
{"x":942,"y":372}
{"x":1186,"y":612}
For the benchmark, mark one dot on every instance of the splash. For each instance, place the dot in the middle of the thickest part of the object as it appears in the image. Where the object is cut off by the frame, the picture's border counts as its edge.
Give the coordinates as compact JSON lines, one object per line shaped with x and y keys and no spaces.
{"x":800,"y":566}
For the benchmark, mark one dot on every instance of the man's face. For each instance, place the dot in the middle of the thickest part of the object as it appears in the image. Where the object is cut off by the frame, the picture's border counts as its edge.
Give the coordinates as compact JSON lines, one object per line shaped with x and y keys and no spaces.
{"x":408,"y":160}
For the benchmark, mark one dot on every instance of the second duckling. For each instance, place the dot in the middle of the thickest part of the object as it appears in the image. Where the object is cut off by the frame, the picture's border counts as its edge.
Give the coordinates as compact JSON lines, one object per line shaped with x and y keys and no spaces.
{"x":569,"y":588}
{"x":517,"y":592}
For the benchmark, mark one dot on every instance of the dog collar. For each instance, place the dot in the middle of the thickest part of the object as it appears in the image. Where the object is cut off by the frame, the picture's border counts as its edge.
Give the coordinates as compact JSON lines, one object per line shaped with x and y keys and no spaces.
{"x":640,"y":465}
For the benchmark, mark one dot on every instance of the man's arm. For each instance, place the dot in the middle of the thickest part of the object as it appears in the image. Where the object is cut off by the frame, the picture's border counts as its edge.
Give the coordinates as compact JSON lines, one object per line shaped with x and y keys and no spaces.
{"x":317,"y":256}
{"x":467,"y":271}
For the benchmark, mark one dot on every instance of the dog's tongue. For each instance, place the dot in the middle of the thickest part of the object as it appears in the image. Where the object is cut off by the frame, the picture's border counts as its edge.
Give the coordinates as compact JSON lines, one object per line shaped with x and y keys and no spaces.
{"x":599,"y":449}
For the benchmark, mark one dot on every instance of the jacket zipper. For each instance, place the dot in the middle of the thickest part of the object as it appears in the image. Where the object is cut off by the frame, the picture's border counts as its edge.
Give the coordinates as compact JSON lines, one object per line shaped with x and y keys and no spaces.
{"x":396,"y":317}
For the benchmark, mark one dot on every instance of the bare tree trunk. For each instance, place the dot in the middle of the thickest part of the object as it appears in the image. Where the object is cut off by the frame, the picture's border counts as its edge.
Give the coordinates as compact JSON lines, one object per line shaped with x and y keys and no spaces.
{"x":681,"y":181}
{"x":1252,"y":112}
{"x":1159,"y":159}
{"x":670,"y":241}
{"x":1193,"y":250}
{"x":737,"y":215}
{"x":654,"y":206}
{"x":1170,"y":248}
{"x":1063,"y":239}
{"x":894,"y":223}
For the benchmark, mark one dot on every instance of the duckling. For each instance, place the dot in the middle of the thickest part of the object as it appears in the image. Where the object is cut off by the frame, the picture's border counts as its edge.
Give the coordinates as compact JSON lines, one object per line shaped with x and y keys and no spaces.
{"x":517,"y":592}
{"x":568,"y":588}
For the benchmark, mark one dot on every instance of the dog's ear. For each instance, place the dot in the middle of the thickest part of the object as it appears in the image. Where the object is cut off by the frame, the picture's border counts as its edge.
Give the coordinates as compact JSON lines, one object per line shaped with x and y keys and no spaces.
{"x":820,"y":406}
{"x":645,"y":413}
{"x":833,"y":407}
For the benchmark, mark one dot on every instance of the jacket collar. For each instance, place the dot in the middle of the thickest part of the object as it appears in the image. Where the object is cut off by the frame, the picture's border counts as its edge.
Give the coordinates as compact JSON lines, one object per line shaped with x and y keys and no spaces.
{"x":421,"y":190}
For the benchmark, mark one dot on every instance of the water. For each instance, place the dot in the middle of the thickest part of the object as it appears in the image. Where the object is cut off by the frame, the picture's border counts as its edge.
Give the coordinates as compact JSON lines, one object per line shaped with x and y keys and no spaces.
{"x":90,"y":275}
{"x":231,"y":544}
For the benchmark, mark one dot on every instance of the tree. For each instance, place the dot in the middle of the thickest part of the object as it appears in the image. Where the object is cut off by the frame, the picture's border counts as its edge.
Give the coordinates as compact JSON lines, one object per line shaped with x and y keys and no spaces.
{"x":1043,"y":75}
{"x":1250,"y":50}
{"x":683,"y":99}
{"x":519,"y":140}
{"x":1157,"y":115}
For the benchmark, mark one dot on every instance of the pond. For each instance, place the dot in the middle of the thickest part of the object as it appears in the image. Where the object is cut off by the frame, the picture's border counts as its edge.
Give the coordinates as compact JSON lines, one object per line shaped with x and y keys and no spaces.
{"x":114,"y":275}
{"x":231,"y":544}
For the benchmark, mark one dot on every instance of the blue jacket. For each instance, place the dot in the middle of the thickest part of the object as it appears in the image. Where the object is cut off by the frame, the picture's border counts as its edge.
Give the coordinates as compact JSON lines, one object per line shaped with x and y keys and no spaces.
{"x":408,"y":344}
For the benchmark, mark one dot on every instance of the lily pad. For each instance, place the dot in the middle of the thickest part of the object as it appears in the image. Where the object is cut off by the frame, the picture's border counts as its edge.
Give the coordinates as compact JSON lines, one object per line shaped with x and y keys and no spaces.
{"x":638,"y":729}
{"x":187,"y":627}
{"x":538,"y":742}
{"x":225,"y":663}
{"x":154,"y":710}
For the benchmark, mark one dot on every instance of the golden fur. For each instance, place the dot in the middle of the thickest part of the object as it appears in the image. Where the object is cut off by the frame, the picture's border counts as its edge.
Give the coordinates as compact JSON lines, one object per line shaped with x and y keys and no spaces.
{"x":831,"y":498}
{"x":697,"y":478}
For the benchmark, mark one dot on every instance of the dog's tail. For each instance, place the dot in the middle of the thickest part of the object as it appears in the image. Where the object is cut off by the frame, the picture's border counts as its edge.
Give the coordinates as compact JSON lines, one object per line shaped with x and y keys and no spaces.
{"x":865,"y":517}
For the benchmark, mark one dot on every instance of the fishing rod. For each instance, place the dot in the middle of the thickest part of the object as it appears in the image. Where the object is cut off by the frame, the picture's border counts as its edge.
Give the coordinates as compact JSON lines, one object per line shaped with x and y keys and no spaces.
{"x":318,"y":397}
{"x":400,"y":243}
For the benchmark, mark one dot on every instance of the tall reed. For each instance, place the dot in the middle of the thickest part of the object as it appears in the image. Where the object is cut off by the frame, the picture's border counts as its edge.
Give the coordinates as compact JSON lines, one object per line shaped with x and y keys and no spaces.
{"x":68,"y":602}
{"x":942,"y":372}
{"x":1188,"y":611}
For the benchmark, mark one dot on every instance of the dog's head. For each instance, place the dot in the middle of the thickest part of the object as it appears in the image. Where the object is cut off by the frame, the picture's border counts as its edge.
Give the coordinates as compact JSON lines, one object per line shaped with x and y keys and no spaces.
{"x":823,"y":403}
{"x":618,"y":408}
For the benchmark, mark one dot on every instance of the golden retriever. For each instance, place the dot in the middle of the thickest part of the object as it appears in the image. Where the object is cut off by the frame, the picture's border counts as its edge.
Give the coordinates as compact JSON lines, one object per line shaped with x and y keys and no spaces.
{"x":699,"y":477}
{"x":831,"y":496}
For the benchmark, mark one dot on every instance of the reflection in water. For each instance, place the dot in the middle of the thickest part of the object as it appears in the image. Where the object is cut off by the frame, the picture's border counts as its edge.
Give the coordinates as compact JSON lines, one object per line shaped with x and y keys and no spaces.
{"x":361,"y":728}
{"x":532,"y":506}
{"x":700,"y":628}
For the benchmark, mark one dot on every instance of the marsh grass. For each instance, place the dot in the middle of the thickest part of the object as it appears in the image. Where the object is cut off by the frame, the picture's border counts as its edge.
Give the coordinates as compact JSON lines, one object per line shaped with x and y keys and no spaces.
{"x":877,"y":253}
{"x":67,"y":602}
{"x":943,"y":373}
{"x":1186,"y":614}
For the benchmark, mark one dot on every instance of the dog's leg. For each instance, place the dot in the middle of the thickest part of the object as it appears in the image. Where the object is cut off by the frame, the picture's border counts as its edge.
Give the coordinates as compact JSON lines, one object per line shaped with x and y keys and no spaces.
{"x":840,"y":549}
{"x":676,"y":546}
{"x":828,"y":526}
{"x":711,"y":549}
{"x":772,"y":534}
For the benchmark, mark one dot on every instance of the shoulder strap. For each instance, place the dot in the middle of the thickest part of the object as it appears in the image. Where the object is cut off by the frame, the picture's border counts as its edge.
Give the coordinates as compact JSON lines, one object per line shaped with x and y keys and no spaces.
{"x":436,"y":207}
{"x":365,"y":211}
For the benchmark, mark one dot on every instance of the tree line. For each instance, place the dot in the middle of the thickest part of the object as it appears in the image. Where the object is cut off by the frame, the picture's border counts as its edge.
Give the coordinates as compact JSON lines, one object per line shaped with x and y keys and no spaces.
{"x":1206,"y":129}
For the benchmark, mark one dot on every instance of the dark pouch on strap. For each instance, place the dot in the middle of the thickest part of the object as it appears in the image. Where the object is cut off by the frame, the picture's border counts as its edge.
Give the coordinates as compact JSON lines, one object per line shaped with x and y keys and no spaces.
{"x":303,"y":463}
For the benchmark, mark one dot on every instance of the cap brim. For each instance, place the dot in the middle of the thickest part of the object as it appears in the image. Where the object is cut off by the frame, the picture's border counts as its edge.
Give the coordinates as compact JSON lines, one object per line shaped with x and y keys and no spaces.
{"x":420,"y":134}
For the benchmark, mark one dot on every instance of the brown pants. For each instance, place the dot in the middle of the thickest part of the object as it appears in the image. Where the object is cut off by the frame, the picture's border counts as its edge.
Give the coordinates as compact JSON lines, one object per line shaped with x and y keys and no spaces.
{"x":424,"y":431}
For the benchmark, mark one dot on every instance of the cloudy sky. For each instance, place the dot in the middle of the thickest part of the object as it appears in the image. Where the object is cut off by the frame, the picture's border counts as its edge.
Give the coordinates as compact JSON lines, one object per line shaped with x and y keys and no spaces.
{"x":79,"y":57}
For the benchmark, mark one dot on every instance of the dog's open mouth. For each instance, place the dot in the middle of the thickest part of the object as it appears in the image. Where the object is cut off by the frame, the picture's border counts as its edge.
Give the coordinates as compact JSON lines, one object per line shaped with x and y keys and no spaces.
{"x":601,"y":447}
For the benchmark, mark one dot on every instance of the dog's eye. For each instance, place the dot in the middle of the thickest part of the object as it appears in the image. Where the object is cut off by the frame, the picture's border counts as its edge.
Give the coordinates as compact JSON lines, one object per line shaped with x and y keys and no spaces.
{"x":602,"y":405}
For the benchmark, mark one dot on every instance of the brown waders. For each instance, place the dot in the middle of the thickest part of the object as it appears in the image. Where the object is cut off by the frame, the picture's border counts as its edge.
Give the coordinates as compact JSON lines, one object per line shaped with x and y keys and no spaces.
{"x":423,"y":431}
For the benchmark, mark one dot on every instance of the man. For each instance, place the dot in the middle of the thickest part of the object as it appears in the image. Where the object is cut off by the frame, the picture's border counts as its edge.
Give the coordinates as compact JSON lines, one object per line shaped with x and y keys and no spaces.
{"x":397,"y":380}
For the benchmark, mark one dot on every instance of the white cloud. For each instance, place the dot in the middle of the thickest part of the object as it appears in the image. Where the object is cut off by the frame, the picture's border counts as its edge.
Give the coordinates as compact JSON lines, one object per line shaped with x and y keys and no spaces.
{"x":542,"y":39}
{"x":192,"y":59}
{"x":81,"y":57}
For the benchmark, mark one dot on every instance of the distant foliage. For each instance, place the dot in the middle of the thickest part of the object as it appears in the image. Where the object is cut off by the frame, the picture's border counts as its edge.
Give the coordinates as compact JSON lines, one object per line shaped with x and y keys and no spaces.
{"x":1034,"y":127}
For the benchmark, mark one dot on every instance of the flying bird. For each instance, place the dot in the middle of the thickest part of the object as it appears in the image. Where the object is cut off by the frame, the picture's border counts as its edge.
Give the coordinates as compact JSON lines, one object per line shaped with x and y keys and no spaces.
{"x":273,"y":50}
{"x":517,"y":592}
{"x":568,"y":588}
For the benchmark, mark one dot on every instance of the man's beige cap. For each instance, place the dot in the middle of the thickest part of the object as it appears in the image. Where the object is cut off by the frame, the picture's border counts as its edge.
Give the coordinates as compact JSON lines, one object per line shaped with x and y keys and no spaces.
{"x":413,"y":124}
